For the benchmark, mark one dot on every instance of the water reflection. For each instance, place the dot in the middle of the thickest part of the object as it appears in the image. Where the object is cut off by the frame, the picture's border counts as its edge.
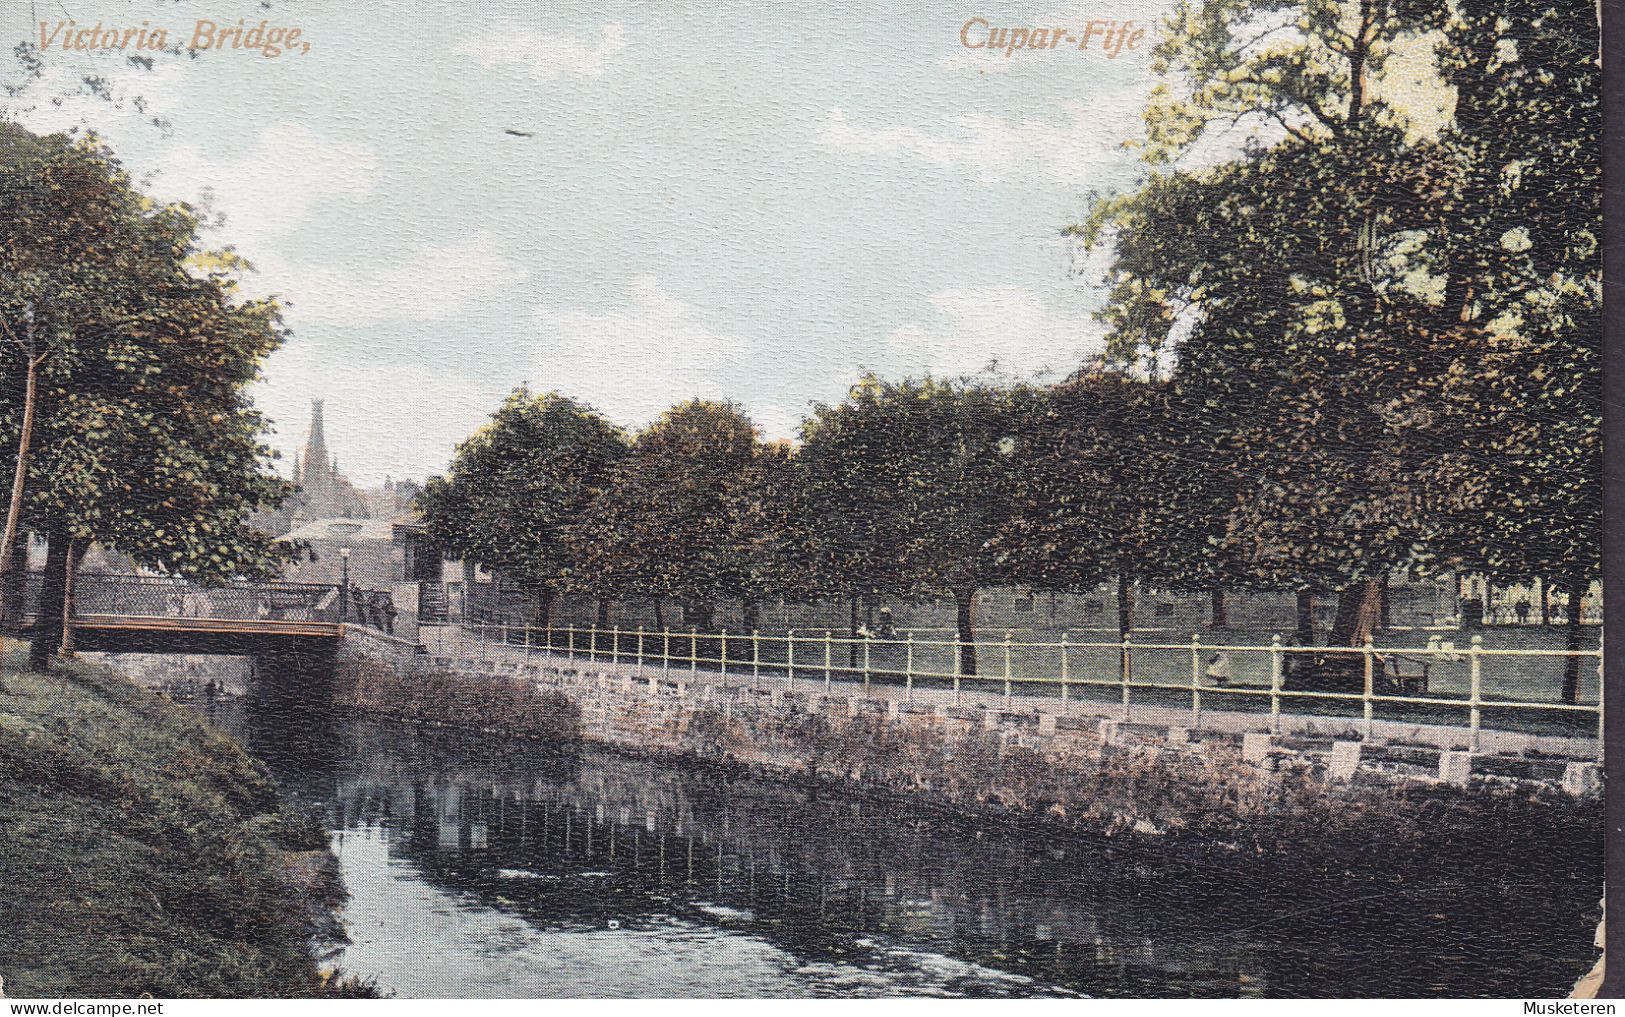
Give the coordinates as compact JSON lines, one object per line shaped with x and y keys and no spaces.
{"x":485,"y":867}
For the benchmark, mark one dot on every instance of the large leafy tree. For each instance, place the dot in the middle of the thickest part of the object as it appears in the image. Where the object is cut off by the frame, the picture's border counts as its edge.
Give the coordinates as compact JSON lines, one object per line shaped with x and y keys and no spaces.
{"x":660,"y":527}
{"x":769,"y":528}
{"x":1519,"y":413}
{"x":911,"y":484}
{"x":518,"y":484}
{"x":1099,"y":492}
{"x":1292,"y":283}
{"x":143,"y":437}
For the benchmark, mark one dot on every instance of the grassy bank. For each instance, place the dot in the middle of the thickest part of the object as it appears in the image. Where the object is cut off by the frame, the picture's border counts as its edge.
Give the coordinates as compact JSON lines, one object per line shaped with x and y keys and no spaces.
{"x":142,"y":851}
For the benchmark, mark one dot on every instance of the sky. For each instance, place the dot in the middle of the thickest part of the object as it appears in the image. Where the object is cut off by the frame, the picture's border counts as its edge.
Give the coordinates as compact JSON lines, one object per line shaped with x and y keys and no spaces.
{"x":745,"y":201}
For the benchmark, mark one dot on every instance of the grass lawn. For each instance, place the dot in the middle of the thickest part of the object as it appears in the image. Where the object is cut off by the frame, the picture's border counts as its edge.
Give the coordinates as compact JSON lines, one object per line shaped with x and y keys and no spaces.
{"x":142,"y":851}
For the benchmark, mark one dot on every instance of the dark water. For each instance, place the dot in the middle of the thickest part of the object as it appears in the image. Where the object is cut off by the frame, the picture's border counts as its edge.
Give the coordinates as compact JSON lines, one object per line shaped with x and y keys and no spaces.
{"x":491,"y":867}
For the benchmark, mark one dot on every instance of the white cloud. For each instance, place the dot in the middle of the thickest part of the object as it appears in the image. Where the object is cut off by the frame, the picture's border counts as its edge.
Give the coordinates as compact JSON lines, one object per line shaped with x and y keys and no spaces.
{"x":400,"y":422}
{"x":288,"y":175}
{"x":543,"y":55}
{"x":1069,"y":149}
{"x":434,"y":282}
{"x":594,"y":355}
{"x":1010,"y":325}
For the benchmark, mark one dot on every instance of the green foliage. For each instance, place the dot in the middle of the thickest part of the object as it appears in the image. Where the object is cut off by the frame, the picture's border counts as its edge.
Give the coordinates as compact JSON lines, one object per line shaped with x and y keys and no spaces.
{"x":659,"y":529}
{"x":145,"y":438}
{"x":517,"y":485}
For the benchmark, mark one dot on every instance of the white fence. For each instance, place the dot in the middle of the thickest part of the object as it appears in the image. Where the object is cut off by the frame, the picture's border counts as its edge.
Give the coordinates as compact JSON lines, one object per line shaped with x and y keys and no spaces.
{"x":1474,"y":687}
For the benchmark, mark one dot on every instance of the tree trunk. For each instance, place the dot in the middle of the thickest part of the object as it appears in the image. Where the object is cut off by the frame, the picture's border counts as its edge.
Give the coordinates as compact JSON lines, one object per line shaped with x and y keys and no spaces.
{"x":753,"y":615}
{"x":14,"y":511}
{"x":1125,"y":618}
{"x":15,"y":586}
{"x":1216,"y":617}
{"x":605,"y":612}
{"x":660,"y":614}
{"x":544,"y":607}
{"x":1576,"y":587}
{"x":1385,"y":606}
{"x":1305,"y":632}
{"x":48,"y":613}
{"x":1125,"y":607}
{"x":76,"y":555}
{"x":1359,"y":607}
{"x":965,"y":604}
{"x":1545,"y":603}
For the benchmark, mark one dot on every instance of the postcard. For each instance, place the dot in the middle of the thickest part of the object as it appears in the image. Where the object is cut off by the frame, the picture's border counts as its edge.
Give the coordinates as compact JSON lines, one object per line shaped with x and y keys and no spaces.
{"x":633,"y":500}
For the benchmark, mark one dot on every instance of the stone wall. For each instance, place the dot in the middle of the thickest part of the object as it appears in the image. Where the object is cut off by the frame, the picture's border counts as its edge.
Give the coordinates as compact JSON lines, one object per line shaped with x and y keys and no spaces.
{"x":1076,"y":771}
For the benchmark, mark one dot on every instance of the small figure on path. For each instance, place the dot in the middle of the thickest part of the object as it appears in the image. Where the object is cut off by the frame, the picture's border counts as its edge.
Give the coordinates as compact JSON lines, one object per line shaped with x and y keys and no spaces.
{"x":1522,"y":611}
{"x":1218,"y":668}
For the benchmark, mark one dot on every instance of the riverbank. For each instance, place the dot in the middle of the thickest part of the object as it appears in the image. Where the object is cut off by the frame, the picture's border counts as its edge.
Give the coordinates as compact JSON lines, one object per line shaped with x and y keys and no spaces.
{"x":1281,"y":817}
{"x":143,"y":851}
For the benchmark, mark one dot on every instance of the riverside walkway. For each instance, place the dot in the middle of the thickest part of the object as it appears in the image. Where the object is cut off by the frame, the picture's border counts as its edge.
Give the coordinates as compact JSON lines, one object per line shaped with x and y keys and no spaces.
{"x":822,"y":666}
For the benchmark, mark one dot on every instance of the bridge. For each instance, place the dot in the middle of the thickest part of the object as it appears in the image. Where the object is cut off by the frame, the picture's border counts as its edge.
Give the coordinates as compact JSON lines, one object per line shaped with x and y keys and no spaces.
{"x":156,"y":614}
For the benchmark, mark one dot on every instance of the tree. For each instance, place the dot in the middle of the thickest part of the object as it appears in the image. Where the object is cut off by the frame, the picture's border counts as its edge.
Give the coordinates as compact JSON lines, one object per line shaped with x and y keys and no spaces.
{"x":1520,"y":410}
{"x":516,"y":486}
{"x":769,"y":528}
{"x":659,"y":528}
{"x":143,"y":437}
{"x":1297,"y":278}
{"x":911,"y":484}
{"x":1101,"y":491}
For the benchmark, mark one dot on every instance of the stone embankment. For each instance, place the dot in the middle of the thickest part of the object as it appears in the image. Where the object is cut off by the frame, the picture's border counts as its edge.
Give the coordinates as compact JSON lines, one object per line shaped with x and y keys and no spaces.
{"x":1076,"y":771}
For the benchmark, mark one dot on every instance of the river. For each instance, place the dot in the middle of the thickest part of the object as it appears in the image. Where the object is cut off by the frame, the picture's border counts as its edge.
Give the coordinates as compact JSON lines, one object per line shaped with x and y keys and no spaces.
{"x":481,"y":866}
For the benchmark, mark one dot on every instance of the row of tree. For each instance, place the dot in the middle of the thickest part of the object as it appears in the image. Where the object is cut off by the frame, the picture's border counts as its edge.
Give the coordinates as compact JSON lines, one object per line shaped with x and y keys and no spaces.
{"x":1361,"y":344}
{"x":126,"y":352}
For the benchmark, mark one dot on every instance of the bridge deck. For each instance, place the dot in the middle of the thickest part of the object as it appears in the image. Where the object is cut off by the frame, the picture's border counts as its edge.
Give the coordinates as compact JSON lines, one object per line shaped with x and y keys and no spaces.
{"x":240,"y":626}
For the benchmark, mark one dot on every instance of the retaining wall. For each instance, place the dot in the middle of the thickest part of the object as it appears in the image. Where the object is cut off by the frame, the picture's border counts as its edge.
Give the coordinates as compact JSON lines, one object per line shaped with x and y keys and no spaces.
{"x":1084,"y":771}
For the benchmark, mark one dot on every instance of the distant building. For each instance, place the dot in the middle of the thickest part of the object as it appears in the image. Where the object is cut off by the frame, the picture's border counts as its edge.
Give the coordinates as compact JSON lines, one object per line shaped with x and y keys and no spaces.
{"x":322,"y":491}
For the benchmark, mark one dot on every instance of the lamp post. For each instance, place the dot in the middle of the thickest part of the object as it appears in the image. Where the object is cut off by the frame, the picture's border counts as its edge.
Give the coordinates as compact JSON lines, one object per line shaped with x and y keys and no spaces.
{"x":344,"y":584}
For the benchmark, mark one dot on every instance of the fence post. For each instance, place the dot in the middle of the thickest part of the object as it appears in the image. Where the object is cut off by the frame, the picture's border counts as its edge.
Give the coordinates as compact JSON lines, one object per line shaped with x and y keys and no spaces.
{"x":615,"y":646}
{"x":1600,"y":637}
{"x":1369,"y":653}
{"x":755,"y":654}
{"x":1128,"y":669}
{"x":640,"y":650}
{"x":828,"y":648}
{"x":665,"y":650}
{"x":1065,"y":671}
{"x":1475,"y":671}
{"x":570,"y":641}
{"x":1007,"y":636}
{"x":1196,"y":681}
{"x":959,"y":665}
{"x":790,"y":659}
{"x":908,"y":666}
{"x":1275,"y":684}
{"x":868,"y":640}
{"x":527,"y":644}
{"x":693,"y":650}
{"x":724,"y":653}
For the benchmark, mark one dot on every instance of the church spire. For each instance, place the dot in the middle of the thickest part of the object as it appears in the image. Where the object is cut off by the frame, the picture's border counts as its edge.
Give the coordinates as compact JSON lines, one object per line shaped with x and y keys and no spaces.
{"x":316,"y":454}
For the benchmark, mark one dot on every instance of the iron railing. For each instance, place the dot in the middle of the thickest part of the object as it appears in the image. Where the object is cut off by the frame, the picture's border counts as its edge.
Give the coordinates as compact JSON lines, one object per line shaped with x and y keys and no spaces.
{"x":1475,"y":687}
{"x":138,"y":596}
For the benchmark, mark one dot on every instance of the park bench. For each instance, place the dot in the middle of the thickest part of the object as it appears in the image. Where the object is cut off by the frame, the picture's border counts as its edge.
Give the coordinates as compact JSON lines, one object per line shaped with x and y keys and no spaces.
{"x":1406,"y":676}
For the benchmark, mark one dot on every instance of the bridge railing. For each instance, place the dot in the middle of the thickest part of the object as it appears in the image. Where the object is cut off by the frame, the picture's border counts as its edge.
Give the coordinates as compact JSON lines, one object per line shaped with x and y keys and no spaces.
{"x":1476,"y":687}
{"x":138,"y":596}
